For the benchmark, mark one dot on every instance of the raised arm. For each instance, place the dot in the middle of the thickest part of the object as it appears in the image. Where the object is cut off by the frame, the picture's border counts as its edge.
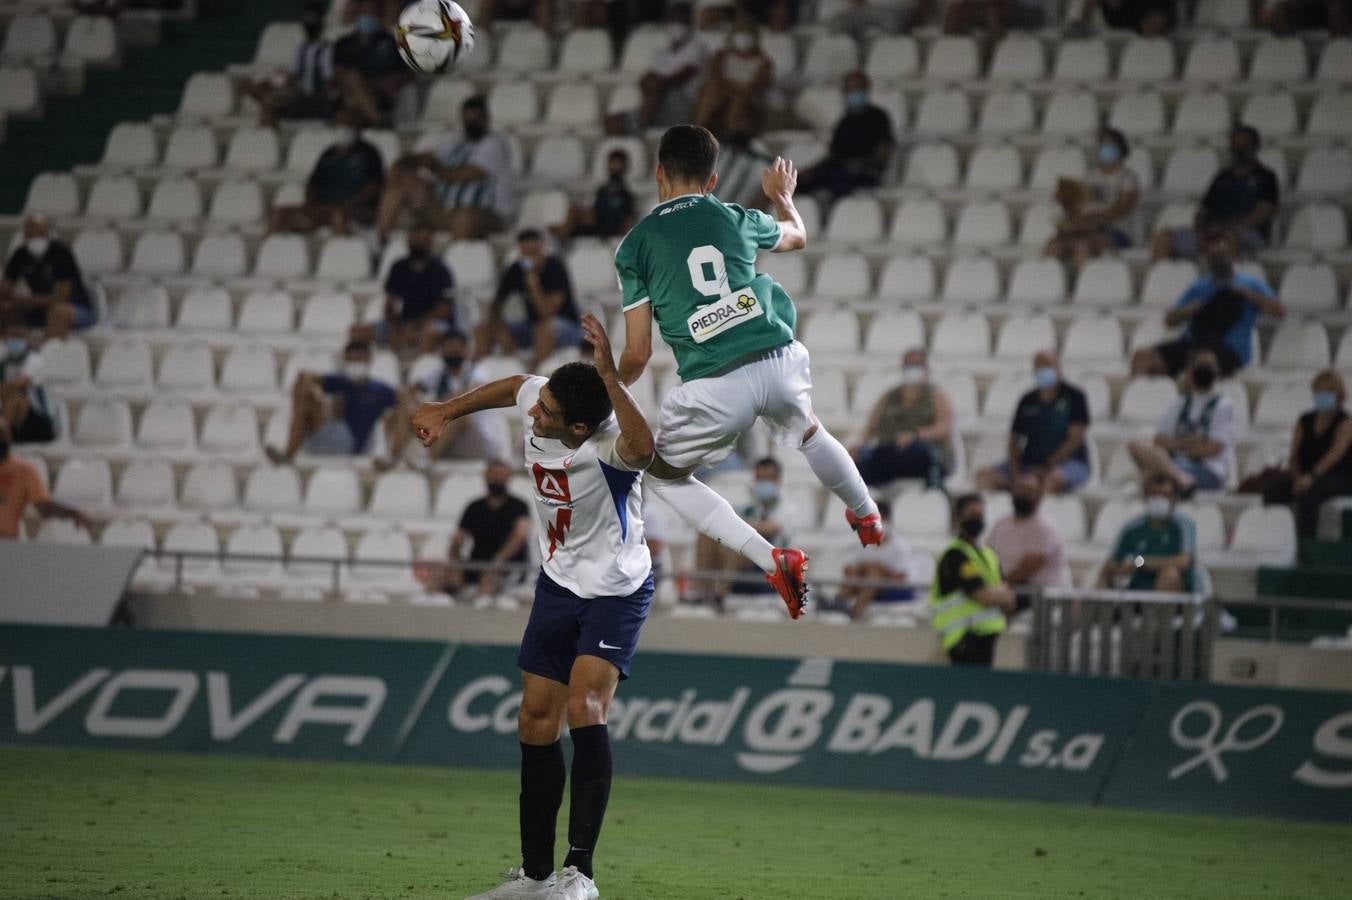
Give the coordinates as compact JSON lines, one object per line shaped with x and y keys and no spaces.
{"x":430,"y":419}
{"x":638,"y":342}
{"x":635,"y":444}
{"x":779,"y":181}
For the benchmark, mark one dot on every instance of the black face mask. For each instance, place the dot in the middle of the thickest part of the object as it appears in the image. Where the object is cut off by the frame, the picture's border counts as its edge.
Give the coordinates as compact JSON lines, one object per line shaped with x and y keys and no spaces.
{"x":475,"y":130}
{"x":419,"y":252}
{"x":1221,"y":268}
{"x":497,"y":490}
{"x":1024,"y":507}
{"x":1203,"y":377}
{"x":972,"y":526}
{"x":452,"y":361}
{"x":1241,"y":156}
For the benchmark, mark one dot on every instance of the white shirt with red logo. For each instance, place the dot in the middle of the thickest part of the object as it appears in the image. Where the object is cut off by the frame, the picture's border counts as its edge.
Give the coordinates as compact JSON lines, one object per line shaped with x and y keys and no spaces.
{"x":588,"y":506}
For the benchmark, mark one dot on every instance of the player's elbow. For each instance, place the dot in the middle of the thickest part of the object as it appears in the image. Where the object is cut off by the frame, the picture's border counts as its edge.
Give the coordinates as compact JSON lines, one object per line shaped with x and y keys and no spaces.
{"x":791,"y":240}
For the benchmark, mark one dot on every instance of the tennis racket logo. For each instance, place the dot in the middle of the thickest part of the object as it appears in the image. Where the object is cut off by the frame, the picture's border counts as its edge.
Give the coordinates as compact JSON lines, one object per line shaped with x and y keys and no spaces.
{"x":1247,"y":733}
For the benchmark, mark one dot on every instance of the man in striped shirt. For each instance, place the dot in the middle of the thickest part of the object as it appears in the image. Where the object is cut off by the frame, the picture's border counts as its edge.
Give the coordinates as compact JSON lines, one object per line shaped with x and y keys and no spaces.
{"x":306,"y":91}
{"x":465,"y":187}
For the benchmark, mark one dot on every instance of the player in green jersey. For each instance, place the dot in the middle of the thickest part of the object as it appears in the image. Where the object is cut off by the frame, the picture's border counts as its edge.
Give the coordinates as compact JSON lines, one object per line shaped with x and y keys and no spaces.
{"x":690,"y":265}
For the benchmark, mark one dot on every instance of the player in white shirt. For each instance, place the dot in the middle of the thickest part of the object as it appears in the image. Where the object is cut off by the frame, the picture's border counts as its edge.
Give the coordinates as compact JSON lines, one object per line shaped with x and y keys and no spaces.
{"x":586,"y":446}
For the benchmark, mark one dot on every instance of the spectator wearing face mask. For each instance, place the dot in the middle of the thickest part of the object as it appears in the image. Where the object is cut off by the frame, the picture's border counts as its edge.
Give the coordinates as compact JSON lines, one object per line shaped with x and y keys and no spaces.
{"x":43,"y":285}
{"x":1097,"y":212}
{"x":909,"y":434}
{"x":496,"y":528}
{"x":740,"y":164}
{"x":1242,"y":201}
{"x":669,"y":86}
{"x":419,"y":290}
{"x":733,"y":96}
{"x":342,"y":189}
{"x":612,"y":211}
{"x":861,"y":146}
{"x":534,"y":308}
{"x":21,"y":487}
{"x":1320,"y":466}
{"x":968,"y":595}
{"x":23,"y":400}
{"x":1194,"y":443}
{"x":336,"y":414}
{"x":306,"y":90}
{"x":480,"y":436}
{"x":862,"y":19}
{"x":1048,"y":436}
{"x":892,"y":562}
{"x":1218,"y":311}
{"x":766,"y":511}
{"x":1156,"y":551}
{"x":1029,"y":547}
{"x":368,"y":71}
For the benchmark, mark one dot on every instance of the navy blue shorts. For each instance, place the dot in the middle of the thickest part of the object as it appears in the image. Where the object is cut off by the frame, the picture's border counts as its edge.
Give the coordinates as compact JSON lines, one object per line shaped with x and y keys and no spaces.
{"x":564,"y":626}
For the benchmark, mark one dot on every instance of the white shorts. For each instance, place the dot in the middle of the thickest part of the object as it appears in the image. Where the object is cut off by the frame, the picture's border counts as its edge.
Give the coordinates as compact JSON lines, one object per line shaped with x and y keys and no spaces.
{"x":703,"y":419}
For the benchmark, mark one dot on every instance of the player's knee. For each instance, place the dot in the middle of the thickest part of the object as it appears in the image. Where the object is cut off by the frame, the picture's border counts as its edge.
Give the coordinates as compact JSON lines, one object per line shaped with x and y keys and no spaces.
{"x":1169,"y":579}
{"x":538,"y":721}
{"x":587,"y":706}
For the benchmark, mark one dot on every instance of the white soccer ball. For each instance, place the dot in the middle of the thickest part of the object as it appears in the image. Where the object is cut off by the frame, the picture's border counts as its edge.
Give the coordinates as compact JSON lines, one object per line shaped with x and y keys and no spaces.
{"x":434,"y":35}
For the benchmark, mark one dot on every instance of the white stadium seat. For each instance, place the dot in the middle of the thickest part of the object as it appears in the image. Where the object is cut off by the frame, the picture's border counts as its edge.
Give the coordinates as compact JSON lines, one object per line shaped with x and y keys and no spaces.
{"x":1214,"y":60}
{"x":819,"y":106}
{"x":237,"y":202}
{"x":30,"y":38}
{"x":158,"y":253}
{"x":146,"y":484}
{"x":514,"y":104}
{"x":558,"y":159}
{"x":166,"y":426}
{"x":114,"y":197}
{"x":253,"y":540}
{"x":1326,"y":171}
{"x":585,"y":51}
{"x":1138,"y":113}
{"x":20,"y":93}
{"x":995,"y":167}
{"x":961,"y":336}
{"x":1299,"y":345}
{"x":983,"y":224}
{"x":220,"y":256}
{"x":196,"y":538}
{"x":1094,"y":340}
{"x":832,"y":331}
{"x":208,"y":95}
{"x":1335,"y":62}
{"x":401,"y":495}
{"x":525,"y":49}
{"x":266,"y":312}
{"x":592,"y":267}
{"x":253,"y":150}
{"x":918,"y":223}
{"x":329,"y":314}
{"x":1006,"y":112}
{"x":1331,"y":115}
{"x":230,"y":428}
{"x":843,"y":276}
{"x":972,"y":279}
{"x":1018,"y":57}
{"x":191,"y":147}
{"x":344,"y":259}
{"x":541,"y":209}
{"x":829,"y":57}
{"x":333,"y":492}
{"x":932,"y":165}
{"x":1309,"y":287}
{"x":249,"y":370}
{"x":1038,"y":225}
{"x":1280,"y":60}
{"x":907,"y":279}
{"x":953,"y":58}
{"x":1273,"y":113}
{"x":103,"y":423}
{"x":1054,"y":163}
{"x":1147,"y":59}
{"x":84,"y":483}
{"x":1037,"y":281}
{"x":1267,"y":533}
{"x":62,"y":531}
{"x":1081,"y":60}
{"x":855,"y":219}
{"x":574,"y":105}
{"x":277,"y":46}
{"x":130,"y":145}
{"x":944,"y":112}
{"x":187,"y":368}
{"x":316,"y":543}
{"x":1023,"y":335}
{"x":1202,"y":114}
{"x":892,"y":329}
{"x":64,"y":362}
{"x":1103,"y":282}
{"x":53,"y":193}
{"x":307,"y":146}
{"x":1167,"y":280}
{"x":282,"y":256}
{"x":1145,"y":399}
{"x":124,"y":365}
{"x":444,"y":100}
{"x":1189,"y":170}
{"x":891,"y":58}
{"x":272,"y":489}
{"x":472,"y":263}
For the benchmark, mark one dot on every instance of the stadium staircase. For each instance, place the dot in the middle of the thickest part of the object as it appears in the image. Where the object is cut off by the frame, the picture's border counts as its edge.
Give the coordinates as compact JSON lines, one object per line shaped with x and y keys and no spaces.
{"x":74,"y":129}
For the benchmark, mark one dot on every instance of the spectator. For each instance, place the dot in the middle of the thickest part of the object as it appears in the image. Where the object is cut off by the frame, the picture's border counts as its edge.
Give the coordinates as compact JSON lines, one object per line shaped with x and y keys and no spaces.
{"x":862,"y":19}
{"x":466,"y":187}
{"x":1288,"y":16}
{"x":534,"y":307}
{"x":368,"y":71}
{"x":613,"y":210}
{"x":740,"y":164}
{"x":1242,"y":200}
{"x":307,"y":90}
{"x":1148,"y":18}
{"x":343,"y":188}
{"x":1156,"y":551}
{"x":712,"y":15}
{"x":891,"y":561}
{"x":1047,"y":438}
{"x":669,"y":86}
{"x":471,"y":437}
{"x":323,"y":427}
{"x":23,"y":401}
{"x":1098,"y":213}
{"x":1321,"y":455}
{"x":910,"y":431}
{"x":1029,"y":547}
{"x":996,"y":16}
{"x":1220,"y":309}
{"x":420,"y":290}
{"x":540,"y":12}
{"x":732,"y":98}
{"x":497,"y":527}
{"x":766,"y":511}
{"x":861,"y":146}
{"x":43,"y":284}
{"x":20,"y":487}
{"x":1195,"y":440}
{"x":969,"y":596}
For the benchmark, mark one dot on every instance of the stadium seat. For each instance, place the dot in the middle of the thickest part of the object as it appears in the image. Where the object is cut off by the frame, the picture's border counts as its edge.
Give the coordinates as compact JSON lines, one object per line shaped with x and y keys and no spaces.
{"x":209,"y":486}
{"x":525,"y":49}
{"x":1227,"y":14}
{"x":30,"y":38}
{"x":1112,"y":516}
{"x":253,"y":150}
{"x":891,"y":58}
{"x":1325,"y":171}
{"x":444,"y":100}
{"x":333,"y":492}
{"x":125,"y":532}
{"x":893,"y":329}
{"x":907,"y":279}
{"x":249,"y":370}
{"x":253,"y":540}
{"x":142,"y":306}
{"x":1003,"y":396}
{"x":277,"y":45}
{"x":328,"y":314}
{"x":819,"y":106}
{"x":308,"y":144}
{"x":191,"y":147}
{"x":932,"y":165}
{"x":926,"y":514}
{"x":344,"y":259}
{"x":20,"y":93}
{"x":541,"y":209}
{"x":1273,"y":114}
{"x":1138,"y":114}
{"x":592,"y":266}
{"x":1280,"y":60}
{"x":1189,"y":170}
{"x":383,"y":547}
{"x":283,"y":256}
{"x":1209,"y":523}
{"x":124,"y":365}
{"x":1066,"y":514}
{"x":104,"y":424}
{"x":585,"y":51}
{"x":972,"y":279}
{"x":166,"y":426}
{"x":918,"y":223}
{"x":964,"y":335}
{"x":1082,"y":60}
{"x":1038,"y":225}
{"x":1023,"y":335}
{"x":1214,"y":60}
{"x":230,"y":428}
{"x":995,"y":167}
{"x":272,"y":489}
{"x":266,"y":312}
{"x":316,"y":543}
{"x":1018,"y":57}
{"x":1331,"y":116}
{"x":53,"y":193}
{"x":943,"y":112}
{"x":1309,"y":287}
{"x":1335,"y":62}
{"x":187,"y":368}
{"x":782,"y":49}
{"x":1147,"y":59}
{"x":832,"y":331}
{"x":843,"y":276}
{"x":316,"y":360}
{"x":1103,"y":282}
{"x":1267,"y":533}
{"x":196,"y":538}
{"x":114,"y":197}
{"x":401,"y":495}
{"x":1202,"y":114}
{"x":574,"y":105}
{"x":983,"y":224}
{"x":473,"y":264}
{"x":953,"y":58}
{"x":829,"y":57}
{"x":514,"y":104}
{"x":639,"y":48}
{"x":131,"y":145}
{"x":207,"y":95}
{"x":1006,"y":112}
{"x":1299,"y":345}
{"x":1054,"y":163}
{"x":1037,"y":281}
{"x":1094,"y":340}
{"x":1342,"y":359}
{"x":220,"y":256}
{"x":1144,"y":400}
{"x":1167,"y":280}
{"x":1279,"y":405}
{"x":84,"y":484}
{"x":558,"y":159}
{"x":856,"y":219}
{"x":62,"y":531}
{"x":158,"y":253}
{"x":146,"y":484}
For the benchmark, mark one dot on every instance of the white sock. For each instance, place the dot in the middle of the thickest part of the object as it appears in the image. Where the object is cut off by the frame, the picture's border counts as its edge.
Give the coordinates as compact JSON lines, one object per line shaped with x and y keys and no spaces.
{"x":834,"y":468}
{"x":706,"y":511}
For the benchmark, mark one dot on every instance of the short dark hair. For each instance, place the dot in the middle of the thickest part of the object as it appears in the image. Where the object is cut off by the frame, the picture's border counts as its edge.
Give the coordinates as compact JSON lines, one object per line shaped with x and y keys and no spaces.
{"x":769,"y":461}
{"x":688,"y":153}
{"x":530,"y":234}
{"x":963,"y":501}
{"x":1117,"y":137}
{"x":581,"y":394}
{"x":357,"y":346}
{"x":478,"y":101}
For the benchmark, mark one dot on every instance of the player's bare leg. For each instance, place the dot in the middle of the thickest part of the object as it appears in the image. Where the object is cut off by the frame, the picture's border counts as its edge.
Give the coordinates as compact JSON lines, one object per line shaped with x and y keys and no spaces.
{"x":784,"y":567}
{"x":834,"y":468}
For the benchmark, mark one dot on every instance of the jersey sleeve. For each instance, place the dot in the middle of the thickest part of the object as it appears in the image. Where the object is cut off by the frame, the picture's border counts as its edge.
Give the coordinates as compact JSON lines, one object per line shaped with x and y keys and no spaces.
{"x":529,"y":392}
{"x":761,"y":228}
{"x":609,"y":453}
{"x":633,"y":286}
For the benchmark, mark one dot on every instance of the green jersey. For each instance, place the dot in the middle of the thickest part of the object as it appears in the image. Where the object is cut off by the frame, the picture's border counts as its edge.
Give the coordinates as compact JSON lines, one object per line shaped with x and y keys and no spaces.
{"x":1144,"y":536}
{"x":694,"y":259}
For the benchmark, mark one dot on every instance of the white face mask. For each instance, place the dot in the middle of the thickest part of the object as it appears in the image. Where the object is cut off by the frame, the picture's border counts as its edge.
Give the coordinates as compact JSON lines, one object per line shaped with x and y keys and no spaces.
{"x":1158,"y":507}
{"x":913,"y":375}
{"x":357,"y":371}
{"x":37,"y":245}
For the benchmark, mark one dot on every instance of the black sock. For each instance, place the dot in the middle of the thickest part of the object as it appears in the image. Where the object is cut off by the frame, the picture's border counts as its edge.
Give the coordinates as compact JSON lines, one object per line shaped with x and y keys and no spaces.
{"x":542,"y":778}
{"x":590,"y":793}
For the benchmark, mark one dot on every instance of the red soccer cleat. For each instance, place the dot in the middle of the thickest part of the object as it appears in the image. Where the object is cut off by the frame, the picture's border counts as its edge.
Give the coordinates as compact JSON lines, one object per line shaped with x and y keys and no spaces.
{"x":789,"y":579}
{"x":869,"y":528}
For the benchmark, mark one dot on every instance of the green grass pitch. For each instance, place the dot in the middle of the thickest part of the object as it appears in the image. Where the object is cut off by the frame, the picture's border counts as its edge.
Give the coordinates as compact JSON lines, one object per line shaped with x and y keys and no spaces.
{"x":76,"y":824}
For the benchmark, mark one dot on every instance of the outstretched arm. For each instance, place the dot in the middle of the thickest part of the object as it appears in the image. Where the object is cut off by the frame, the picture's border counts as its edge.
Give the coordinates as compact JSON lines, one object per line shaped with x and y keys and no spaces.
{"x":635,"y":444}
{"x":779,"y":181}
{"x":430,"y":419}
{"x":638,"y":342}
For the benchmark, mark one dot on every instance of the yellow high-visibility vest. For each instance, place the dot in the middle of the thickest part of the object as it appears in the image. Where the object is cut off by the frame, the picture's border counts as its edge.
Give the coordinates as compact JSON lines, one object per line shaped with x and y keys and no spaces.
{"x":955,"y":613}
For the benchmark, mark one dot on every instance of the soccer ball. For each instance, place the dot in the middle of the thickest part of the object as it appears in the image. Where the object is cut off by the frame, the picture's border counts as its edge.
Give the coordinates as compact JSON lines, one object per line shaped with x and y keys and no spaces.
{"x":433,"y":35}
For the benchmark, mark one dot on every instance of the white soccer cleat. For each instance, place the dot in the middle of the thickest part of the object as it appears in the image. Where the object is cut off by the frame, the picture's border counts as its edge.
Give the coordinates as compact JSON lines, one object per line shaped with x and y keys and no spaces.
{"x":518,"y":885}
{"x":570,"y":884}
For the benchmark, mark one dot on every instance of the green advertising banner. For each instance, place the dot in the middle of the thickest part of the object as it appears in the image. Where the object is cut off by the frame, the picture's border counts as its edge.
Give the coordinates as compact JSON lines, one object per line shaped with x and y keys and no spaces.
{"x":816,"y":721}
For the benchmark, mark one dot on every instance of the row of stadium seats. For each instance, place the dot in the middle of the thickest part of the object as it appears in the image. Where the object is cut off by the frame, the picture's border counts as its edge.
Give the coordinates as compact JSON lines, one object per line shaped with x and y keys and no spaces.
{"x":36,"y":39}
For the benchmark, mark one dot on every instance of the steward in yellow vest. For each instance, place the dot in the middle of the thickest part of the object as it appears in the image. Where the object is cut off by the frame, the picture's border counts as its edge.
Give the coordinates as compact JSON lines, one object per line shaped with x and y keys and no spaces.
{"x":968,"y":595}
